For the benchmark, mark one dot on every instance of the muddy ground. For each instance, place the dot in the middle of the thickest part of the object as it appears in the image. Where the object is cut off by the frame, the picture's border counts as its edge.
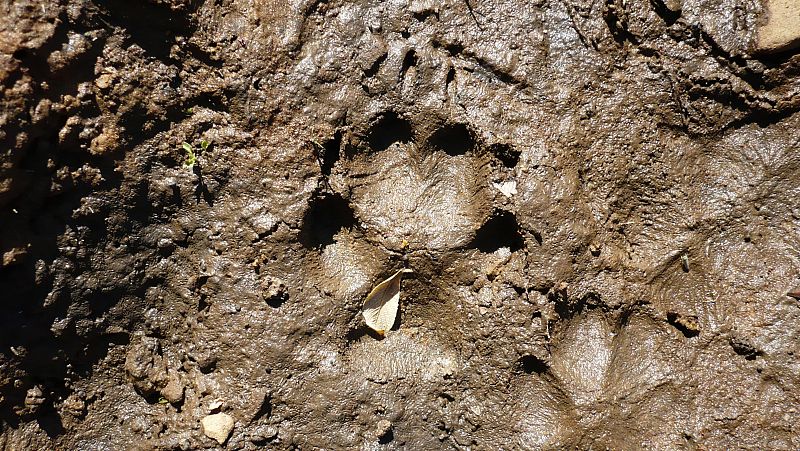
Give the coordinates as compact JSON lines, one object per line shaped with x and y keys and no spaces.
{"x":599,"y":201}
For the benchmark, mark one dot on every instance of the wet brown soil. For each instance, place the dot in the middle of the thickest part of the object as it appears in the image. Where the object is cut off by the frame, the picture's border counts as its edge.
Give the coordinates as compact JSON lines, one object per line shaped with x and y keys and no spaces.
{"x":598,"y":200}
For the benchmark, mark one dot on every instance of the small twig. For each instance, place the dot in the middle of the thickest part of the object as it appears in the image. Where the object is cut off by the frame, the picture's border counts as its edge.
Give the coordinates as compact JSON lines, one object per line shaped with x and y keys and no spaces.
{"x":472,"y":13}
{"x":319,"y":153}
{"x":581,"y":36}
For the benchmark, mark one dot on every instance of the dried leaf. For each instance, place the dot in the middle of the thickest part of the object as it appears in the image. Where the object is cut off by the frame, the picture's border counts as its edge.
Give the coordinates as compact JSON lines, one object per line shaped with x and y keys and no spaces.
{"x":380,"y":307}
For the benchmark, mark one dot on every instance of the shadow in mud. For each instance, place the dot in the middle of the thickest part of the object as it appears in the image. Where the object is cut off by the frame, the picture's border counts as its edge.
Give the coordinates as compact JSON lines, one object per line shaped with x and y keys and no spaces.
{"x":453,"y":139}
{"x":151,"y":26}
{"x":362,"y":331}
{"x":387,"y":130}
{"x":325,"y":217}
{"x":52,"y":313}
{"x":506,"y":153}
{"x":501,"y":230}
{"x":531,"y":364}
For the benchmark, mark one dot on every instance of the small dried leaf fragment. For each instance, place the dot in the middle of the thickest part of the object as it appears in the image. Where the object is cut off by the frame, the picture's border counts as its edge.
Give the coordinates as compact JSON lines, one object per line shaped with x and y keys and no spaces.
{"x":380,"y":307}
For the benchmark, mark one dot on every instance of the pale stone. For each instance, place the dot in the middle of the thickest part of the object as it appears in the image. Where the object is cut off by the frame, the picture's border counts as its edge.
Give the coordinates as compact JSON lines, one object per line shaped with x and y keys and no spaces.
{"x":13,"y":256}
{"x":218,"y":426}
{"x":782,"y":28}
{"x":507,"y":188}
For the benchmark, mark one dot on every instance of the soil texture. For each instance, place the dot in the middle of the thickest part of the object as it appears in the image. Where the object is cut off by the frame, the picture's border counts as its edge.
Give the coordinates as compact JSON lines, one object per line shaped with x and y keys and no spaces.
{"x":599,"y":201}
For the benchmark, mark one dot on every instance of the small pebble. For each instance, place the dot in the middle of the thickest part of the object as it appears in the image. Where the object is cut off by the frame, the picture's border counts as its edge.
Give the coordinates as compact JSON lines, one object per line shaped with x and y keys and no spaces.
{"x":34,"y":398}
{"x":264,"y":433}
{"x":781,"y":30}
{"x":218,"y":426}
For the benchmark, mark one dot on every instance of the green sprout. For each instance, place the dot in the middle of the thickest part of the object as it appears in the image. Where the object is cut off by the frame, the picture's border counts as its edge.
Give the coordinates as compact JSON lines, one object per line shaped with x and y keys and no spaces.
{"x":162,"y":400}
{"x":191,"y":155}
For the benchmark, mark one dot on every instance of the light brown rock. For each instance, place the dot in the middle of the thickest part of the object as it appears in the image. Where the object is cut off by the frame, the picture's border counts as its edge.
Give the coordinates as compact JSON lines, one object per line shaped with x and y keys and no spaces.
{"x":13,"y":256}
{"x":218,"y":426}
{"x":173,"y":391}
{"x":383,"y":428}
{"x":105,"y":141}
{"x":782,"y":28}
{"x":104,"y":81}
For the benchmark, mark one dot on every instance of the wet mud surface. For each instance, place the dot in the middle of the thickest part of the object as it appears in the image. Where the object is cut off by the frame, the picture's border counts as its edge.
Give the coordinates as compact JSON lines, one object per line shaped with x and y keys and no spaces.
{"x":598,"y":200}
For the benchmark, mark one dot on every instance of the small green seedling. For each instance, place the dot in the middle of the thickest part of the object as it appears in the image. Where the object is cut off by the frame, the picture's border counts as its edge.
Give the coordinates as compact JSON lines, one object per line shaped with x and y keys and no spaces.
{"x":162,"y":400}
{"x":191,"y":155}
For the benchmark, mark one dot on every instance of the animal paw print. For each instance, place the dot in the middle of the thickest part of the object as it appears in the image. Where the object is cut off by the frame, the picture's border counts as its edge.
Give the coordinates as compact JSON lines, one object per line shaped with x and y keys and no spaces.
{"x":603,"y":378}
{"x":432,"y":196}
{"x":403,"y":186}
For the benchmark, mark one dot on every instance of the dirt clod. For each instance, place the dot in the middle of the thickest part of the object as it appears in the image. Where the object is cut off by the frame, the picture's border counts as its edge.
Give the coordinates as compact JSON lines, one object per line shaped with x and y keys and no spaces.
{"x":34,"y":398}
{"x":274,"y":291}
{"x":264,"y":433}
{"x":173,"y":391}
